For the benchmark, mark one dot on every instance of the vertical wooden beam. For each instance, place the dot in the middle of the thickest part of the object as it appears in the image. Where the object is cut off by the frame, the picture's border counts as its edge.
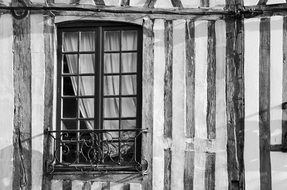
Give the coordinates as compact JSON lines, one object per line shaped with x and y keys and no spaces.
{"x":211,"y":81}
{"x":239,"y":98}
{"x":264,"y":104}
{"x":190,"y":86}
{"x":231,"y":109}
{"x":262,"y":2}
{"x":67,"y":185}
{"x":167,"y":169}
{"x":204,"y":3}
{"x":230,"y":4}
{"x":147,"y":102}
{"x":149,"y":3}
{"x":176,"y":3}
{"x":190,"y":79}
{"x":49,"y":47}
{"x":284,"y":85}
{"x":210,"y":171}
{"x":125,"y":3}
{"x":211,"y":104}
{"x":22,"y":104}
{"x":102,"y":2}
{"x":6,"y":101}
{"x":168,"y":39}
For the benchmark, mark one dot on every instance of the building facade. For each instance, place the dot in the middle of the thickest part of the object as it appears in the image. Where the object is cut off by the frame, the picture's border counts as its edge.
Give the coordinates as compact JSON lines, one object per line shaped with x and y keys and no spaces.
{"x":143,"y":94}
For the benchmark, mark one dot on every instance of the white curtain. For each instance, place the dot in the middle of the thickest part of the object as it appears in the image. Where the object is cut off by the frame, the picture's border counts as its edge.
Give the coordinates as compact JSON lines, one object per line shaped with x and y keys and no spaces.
{"x":111,"y":83}
{"x":86,"y":65}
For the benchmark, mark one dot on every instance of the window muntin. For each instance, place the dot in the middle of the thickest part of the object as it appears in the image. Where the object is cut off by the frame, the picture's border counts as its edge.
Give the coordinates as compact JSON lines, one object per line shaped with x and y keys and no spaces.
{"x":99,"y":98}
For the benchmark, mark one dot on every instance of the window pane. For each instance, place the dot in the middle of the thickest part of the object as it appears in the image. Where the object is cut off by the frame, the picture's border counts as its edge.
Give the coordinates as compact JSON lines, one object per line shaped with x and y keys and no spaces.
{"x":112,"y":41}
{"x":86,"y":107}
{"x":87,"y":42}
{"x":129,"y":40}
{"x":128,"y":107}
{"x":70,"y":64}
{"x":70,"y":41}
{"x":69,"y":124}
{"x":111,"y":85}
{"x":112,"y":63}
{"x":111,"y":107}
{"x":87,"y":85}
{"x":69,"y":107}
{"x":128,"y":124}
{"x":129,"y":84}
{"x":87,"y":124}
{"x":111,"y":124}
{"x":129,"y":62}
{"x":87,"y":63}
{"x":68,"y":87}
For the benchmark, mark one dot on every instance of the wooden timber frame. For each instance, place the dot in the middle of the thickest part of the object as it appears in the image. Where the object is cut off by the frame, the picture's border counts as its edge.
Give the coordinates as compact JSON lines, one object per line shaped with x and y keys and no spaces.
{"x":234,"y":14}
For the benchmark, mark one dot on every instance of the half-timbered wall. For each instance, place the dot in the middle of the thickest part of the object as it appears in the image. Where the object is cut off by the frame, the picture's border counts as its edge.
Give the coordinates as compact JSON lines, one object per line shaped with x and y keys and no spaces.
{"x":213,"y":88}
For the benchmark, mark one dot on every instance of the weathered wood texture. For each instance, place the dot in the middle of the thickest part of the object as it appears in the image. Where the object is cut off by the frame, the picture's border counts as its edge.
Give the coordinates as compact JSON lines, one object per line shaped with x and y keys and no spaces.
{"x":264,"y":104}
{"x":167,"y":168}
{"x":190,"y":78}
{"x":239,"y":99}
{"x":211,"y":82}
{"x":284,"y":84}
{"x":211,"y":104}
{"x":22,"y":176}
{"x":6,"y":102}
{"x":168,"y":43}
{"x":147,"y":103}
{"x":49,"y":48}
{"x":176,"y":3}
{"x":190,"y":122}
{"x":231,"y":108}
{"x":149,"y":3}
{"x":210,"y":171}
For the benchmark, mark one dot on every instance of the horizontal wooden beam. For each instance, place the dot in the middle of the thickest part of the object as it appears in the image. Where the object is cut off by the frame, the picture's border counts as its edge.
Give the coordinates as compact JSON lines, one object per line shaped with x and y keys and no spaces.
{"x":112,"y":9}
{"x":241,"y":11}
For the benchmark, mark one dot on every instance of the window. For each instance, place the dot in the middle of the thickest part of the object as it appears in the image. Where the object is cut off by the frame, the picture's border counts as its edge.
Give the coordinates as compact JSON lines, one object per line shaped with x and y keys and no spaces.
{"x":98,"y":98}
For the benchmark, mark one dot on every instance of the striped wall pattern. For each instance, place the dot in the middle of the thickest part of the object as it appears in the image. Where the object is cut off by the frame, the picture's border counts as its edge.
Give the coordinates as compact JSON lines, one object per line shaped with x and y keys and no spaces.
{"x":214,"y":94}
{"x":265,"y":57}
{"x":195,"y":74}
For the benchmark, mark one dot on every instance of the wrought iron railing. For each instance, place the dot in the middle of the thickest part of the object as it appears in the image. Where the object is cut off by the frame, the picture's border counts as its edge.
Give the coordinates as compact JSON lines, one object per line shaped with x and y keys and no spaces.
{"x":95,"y":150}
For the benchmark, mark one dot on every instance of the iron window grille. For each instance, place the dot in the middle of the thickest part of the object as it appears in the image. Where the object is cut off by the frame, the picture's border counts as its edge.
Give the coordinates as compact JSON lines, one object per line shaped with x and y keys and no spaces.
{"x":98,"y":129}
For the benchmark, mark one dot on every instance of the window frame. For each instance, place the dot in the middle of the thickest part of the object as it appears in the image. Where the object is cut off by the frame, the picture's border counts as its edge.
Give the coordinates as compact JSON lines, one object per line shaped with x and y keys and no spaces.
{"x":100,"y":27}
